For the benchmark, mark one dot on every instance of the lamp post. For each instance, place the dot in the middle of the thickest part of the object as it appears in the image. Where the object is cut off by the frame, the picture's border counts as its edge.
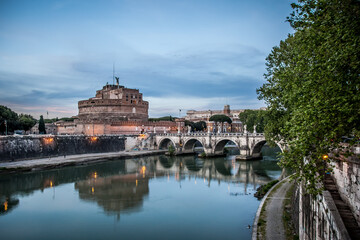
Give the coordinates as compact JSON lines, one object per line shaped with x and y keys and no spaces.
{"x":324,"y":157}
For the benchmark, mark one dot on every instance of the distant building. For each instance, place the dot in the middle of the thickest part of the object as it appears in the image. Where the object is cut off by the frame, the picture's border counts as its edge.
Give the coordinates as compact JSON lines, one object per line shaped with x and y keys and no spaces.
{"x":235,"y":126}
{"x":194,"y":116}
{"x":50,"y":128}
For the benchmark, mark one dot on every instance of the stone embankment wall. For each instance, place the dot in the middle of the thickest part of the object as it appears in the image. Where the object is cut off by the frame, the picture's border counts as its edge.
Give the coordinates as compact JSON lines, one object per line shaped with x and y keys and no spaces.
{"x":347,"y":179}
{"x":27,"y":147}
{"x":142,"y":142}
{"x":318,"y":217}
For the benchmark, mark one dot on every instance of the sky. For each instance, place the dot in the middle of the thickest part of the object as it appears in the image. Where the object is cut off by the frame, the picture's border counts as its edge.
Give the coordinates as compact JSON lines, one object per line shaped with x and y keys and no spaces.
{"x":181,"y":54}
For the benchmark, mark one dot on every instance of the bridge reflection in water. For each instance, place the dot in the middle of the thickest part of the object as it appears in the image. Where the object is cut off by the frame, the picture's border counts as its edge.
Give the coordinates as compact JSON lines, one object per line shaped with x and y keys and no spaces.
{"x":125,"y":192}
{"x":121,"y":186}
{"x":187,"y":196}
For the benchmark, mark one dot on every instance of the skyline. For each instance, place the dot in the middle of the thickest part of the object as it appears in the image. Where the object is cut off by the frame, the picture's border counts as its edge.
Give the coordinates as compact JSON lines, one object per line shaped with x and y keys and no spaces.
{"x":180,"y":54}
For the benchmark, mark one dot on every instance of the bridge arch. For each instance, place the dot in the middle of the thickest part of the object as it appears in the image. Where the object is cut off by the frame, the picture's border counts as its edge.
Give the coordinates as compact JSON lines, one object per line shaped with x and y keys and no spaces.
{"x":223,"y":168}
{"x":220,"y":145}
{"x":166,"y":162}
{"x":190,"y":144}
{"x":194,"y":164}
{"x":165,"y":142}
{"x":256,"y":149}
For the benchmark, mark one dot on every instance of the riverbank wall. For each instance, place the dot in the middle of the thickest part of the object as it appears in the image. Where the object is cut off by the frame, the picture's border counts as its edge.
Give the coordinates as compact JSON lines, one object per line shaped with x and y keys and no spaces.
{"x":347,"y":179}
{"x":335,"y":214}
{"x":40,"y":146}
{"x":317,"y":217}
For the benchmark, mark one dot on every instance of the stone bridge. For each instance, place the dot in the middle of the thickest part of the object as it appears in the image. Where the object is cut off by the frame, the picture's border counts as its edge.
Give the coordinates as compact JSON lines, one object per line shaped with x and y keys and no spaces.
{"x":249,"y":144}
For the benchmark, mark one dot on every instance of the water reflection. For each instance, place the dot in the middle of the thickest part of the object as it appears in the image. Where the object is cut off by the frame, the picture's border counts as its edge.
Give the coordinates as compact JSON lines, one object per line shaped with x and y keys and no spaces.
{"x":8,"y":204}
{"x":125,"y":192}
{"x":122,"y":186}
{"x":116,"y":193}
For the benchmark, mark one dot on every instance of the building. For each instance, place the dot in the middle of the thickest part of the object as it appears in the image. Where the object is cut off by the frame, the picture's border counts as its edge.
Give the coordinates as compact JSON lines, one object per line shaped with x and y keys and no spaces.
{"x":195,"y":116}
{"x":235,"y":126}
{"x":114,"y":103}
{"x":115,"y":109}
{"x":50,"y":128}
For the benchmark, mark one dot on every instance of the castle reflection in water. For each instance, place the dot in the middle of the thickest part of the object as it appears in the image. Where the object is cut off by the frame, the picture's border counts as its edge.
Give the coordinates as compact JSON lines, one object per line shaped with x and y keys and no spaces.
{"x":122,"y":185}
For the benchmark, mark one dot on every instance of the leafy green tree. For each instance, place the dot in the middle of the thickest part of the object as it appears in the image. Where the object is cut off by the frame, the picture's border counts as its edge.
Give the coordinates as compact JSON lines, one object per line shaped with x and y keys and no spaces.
{"x":196,"y":126}
{"x":220,"y":118}
{"x":312,"y":88}
{"x":252,"y":118}
{"x":171,"y":150}
{"x":42,"y":129}
{"x":200,"y":126}
{"x":11,"y":118}
{"x":26,"y":121}
{"x":166,"y":118}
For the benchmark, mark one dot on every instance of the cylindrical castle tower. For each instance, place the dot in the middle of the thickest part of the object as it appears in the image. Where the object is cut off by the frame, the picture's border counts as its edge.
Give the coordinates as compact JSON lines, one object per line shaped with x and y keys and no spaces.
{"x":114,"y":103}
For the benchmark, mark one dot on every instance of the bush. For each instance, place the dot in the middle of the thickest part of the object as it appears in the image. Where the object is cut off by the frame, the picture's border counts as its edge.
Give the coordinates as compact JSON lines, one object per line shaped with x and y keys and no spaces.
{"x":263,"y":189}
{"x":171,"y":150}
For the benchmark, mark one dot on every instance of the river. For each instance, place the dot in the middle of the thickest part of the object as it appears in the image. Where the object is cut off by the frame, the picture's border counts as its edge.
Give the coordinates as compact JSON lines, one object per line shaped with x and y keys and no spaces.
{"x":156,"y":197}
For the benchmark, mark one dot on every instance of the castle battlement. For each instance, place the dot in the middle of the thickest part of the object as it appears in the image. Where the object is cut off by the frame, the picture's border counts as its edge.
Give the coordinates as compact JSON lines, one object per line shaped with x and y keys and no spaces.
{"x":114,"y":103}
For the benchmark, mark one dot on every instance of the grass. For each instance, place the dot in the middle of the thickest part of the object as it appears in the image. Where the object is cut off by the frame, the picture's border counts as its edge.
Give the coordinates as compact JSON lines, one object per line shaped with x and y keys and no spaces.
{"x":262,"y":190}
{"x":261,"y":226}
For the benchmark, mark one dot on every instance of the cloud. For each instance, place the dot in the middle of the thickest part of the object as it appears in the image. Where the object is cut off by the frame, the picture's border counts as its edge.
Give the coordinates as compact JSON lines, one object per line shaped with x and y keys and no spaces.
{"x":203,"y":75}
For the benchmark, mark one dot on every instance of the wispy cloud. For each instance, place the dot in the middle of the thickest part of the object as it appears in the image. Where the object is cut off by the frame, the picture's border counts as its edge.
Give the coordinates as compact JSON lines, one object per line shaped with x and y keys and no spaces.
{"x":180,"y":54}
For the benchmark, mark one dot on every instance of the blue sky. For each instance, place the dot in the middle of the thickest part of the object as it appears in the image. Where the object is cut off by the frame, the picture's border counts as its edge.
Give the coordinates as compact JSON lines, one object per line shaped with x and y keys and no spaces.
{"x":181,"y":54}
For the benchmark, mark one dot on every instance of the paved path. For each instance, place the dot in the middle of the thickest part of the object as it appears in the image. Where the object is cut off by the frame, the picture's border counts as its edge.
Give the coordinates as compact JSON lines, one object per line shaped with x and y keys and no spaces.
{"x":42,"y":163}
{"x":274,"y":212}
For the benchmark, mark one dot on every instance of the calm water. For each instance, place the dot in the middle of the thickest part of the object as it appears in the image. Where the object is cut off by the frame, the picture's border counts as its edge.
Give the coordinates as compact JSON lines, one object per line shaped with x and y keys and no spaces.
{"x":147,"y":198}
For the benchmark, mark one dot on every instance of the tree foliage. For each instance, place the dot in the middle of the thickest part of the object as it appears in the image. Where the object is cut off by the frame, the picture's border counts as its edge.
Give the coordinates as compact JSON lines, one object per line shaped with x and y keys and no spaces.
{"x":166,"y":118}
{"x":312,"y":88}
{"x":196,"y":126}
{"x":220,"y":118}
{"x":42,"y":129}
{"x":14,"y":121}
{"x":11,"y":118}
{"x":26,"y":121}
{"x":252,"y":118}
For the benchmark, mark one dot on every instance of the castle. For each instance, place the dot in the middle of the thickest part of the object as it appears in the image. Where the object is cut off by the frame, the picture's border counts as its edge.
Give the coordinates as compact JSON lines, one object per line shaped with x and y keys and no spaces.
{"x":115,"y":109}
{"x":114,"y":103}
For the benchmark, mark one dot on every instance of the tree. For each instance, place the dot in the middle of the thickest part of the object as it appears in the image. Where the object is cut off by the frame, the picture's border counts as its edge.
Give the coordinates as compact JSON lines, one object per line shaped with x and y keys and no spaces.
{"x":220,"y":118}
{"x":11,"y":118}
{"x":196,"y":126}
{"x":166,"y":118}
{"x":312,"y":88}
{"x":252,"y":118}
{"x":26,"y":122}
{"x":42,"y":129}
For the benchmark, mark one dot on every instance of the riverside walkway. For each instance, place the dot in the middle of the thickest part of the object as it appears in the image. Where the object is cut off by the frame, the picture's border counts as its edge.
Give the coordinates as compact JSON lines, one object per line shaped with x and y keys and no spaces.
{"x":69,"y":160}
{"x":268,"y":222}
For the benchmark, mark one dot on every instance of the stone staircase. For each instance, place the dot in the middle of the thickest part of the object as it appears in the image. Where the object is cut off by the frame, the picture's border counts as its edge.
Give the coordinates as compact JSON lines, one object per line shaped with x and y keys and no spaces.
{"x":348,"y":218}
